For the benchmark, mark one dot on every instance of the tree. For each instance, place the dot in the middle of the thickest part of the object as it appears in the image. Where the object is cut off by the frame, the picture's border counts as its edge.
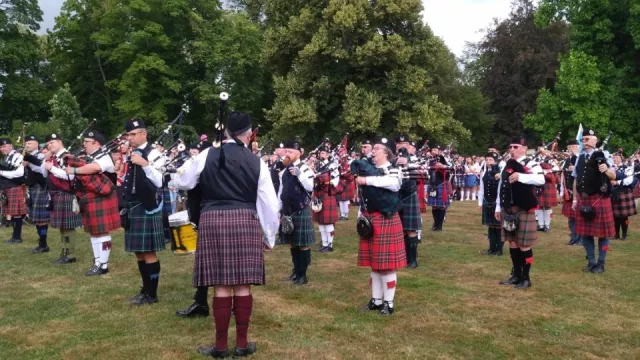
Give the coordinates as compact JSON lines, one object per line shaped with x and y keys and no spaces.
{"x":358,"y":66}
{"x":23,"y":85}
{"x":513,"y":61}
{"x":66,"y":118}
{"x":599,"y":79}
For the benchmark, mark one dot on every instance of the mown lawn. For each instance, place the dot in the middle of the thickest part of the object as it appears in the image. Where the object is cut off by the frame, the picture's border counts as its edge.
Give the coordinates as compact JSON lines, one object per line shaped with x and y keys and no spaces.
{"x":451,"y":307}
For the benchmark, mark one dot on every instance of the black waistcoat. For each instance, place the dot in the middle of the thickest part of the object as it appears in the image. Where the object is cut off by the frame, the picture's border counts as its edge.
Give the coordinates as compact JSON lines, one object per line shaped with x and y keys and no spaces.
{"x":589,"y":180}
{"x":294,"y":196}
{"x":518,"y":194}
{"x":490,"y":184}
{"x":137,"y":187}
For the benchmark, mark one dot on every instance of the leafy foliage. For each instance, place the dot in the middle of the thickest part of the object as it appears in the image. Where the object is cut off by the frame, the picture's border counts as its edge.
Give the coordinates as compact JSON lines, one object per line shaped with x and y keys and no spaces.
{"x":66,"y":117}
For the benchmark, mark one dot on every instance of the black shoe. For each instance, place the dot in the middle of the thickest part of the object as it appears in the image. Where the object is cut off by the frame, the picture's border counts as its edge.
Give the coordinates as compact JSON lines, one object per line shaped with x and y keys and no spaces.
{"x":96,"y":270}
{"x":291,"y":277}
{"x":301,"y":280}
{"x":322,"y":249}
{"x":386,"y":309}
{"x":194,"y":310}
{"x":146,"y":300}
{"x":40,"y":250}
{"x":137,"y":297}
{"x":524,"y":284}
{"x":487,"y":252}
{"x":212,"y":351}
{"x":546,"y":229}
{"x":513,"y":280}
{"x":624,"y":237}
{"x":249,"y":350}
{"x":617,"y":237}
{"x":589,"y":267}
{"x":434,"y":227}
{"x":330,"y":248}
{"x":371,"y":306}
{"x":10,"y":241}
{"x":65,"y":260}
{"x":16,"y":241}
{"x":598,"y":269}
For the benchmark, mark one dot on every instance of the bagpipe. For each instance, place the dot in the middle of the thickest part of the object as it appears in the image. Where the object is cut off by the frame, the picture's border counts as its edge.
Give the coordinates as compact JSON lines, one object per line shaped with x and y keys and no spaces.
{"x":178,"y":144}
{"x":551,"y":145}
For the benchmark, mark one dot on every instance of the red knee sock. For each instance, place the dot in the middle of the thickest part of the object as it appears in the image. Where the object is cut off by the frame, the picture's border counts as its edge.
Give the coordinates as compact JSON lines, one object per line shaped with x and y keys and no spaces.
{"x":221,"y":317}
{"x":242,"y":306}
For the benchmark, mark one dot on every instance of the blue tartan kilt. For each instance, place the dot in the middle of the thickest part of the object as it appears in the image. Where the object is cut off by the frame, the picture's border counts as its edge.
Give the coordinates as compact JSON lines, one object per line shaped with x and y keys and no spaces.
{"x":489,"y":216}
{"x":471,"y":181}
{"x":409,"y":212}
{"x":165,"y":195}
{"x":38,"y":204}
{"x":145,"y":232}
{"x":304,"y":233}
{"x":458,"y":180}
{"x":438,"y":200}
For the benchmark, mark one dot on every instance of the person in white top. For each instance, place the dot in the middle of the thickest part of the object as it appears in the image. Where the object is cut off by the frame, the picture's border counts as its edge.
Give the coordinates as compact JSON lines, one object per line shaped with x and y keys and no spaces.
{"x":11,"y":181}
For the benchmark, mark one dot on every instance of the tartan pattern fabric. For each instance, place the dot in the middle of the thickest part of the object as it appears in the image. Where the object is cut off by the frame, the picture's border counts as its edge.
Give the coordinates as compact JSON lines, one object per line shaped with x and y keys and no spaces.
{"x":626,"y":206}
{"x":229,"y":250}
{"x":304,"y":234}
{"x":329,"y":213}
{"x":442,"y":199}
{"x":527,"y":232}
{"x":489,"y":215}
{"x":548,"y":197}
{"x":349,"y":189}
{"x":165,"y":195}
{"x":38,"y":204}
{"x":458,"y":180}
{"x":62,"y":215}
{"x":567,"y":211}
{"x":100,"y":214}
{"x":409,"y":213}
{"x":422,"y":202}
{"x":16,"y":205}
{"x":145,"y":232}
{"x":602,"y":226}
{"x":636,"y":191}
{"x":385,"y":249}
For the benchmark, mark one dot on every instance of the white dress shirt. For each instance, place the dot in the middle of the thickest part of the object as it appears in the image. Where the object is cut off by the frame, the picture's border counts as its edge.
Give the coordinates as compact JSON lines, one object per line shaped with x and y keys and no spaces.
{"x":16,"y":161}
{"x":390,"y":181}
{"x":57,"y":171}
{"x":105,"y":162}
{"x":266,"y":201}
{"x":306,"y":178}
{"x":152,"y":173}
{"x":536,"y":178}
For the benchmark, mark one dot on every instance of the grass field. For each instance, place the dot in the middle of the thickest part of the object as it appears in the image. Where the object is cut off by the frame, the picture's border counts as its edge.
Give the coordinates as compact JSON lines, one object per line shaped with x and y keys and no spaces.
{"x":451,"y":307}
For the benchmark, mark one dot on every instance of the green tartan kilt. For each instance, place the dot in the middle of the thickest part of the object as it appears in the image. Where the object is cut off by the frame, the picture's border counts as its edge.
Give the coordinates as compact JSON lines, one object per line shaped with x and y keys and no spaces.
{"x":144,"y":233}
{"x":409,"y":212}
{"x":489,"y":215}
{"x":303,"y":233}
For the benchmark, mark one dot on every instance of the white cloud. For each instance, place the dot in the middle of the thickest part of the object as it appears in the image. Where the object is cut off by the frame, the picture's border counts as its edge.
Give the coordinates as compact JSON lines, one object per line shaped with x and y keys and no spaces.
{"x":460,"y":21}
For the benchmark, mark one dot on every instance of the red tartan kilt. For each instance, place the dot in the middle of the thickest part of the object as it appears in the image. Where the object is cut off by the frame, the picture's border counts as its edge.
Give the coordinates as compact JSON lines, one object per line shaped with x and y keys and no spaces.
{"x":602,"y":226}
{"x":548,"y":198}
{"x":348,"y":193}
{"x":567,"y":210}
{"x":16,"y":205}
{"x":100,"y":215}
{"x":626,"y":206}
{"x":329,"y":212}
{"x":421,"y":197}
{"x":385,"y":250}
{"x":636,"y":191}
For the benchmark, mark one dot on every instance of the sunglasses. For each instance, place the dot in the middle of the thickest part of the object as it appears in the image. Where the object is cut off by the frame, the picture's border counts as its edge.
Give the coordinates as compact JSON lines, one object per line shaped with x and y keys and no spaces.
{"x":514,"y":146}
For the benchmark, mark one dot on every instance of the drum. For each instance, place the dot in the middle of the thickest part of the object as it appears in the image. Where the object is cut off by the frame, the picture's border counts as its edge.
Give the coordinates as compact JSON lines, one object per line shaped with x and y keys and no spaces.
{"x":183,"y":233}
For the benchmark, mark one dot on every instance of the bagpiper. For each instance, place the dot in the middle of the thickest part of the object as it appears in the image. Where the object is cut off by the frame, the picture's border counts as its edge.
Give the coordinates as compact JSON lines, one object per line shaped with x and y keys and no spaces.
{"x":164,"y":192}
{"x":566,"y":190}
{"x":515,"y":210}
{"x":409,"y":210}
{"x":349,"y":187}
{"x":438,"y":189}
{"x":65,"y":210}
{"x":622,"y":200}
{"x":12,"y":187}
{"x":294,"y":194}
{"x":37,"y":193}
{"x":96,"y":190}
{"x":142,"y":215}
{"x":487,"y":199}
{"x":547,"y":197}
{"x":325,"y":206}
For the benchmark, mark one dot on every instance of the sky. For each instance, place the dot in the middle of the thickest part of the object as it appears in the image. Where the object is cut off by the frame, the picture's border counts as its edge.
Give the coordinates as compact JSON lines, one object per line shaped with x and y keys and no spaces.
{"x":455,"y":21}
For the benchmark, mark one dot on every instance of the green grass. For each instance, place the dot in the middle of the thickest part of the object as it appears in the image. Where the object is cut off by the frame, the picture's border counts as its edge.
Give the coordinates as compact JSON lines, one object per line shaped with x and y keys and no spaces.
{"x":451,"y":307}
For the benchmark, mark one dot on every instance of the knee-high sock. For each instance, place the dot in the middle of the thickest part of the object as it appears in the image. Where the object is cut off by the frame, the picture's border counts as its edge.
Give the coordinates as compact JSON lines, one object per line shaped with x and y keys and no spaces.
{"x":105,"y":250}
{"x":295,"y":258}
{"x":17,"y":227}
{"x":221,"y":317}
{"x":153,"y":273}
{"x":625,"y":226}
{"x":96,"y":245}
{"x":201,"y":295}
{"x":589,"y":247}
{"x":497,"y":233}
{"x":616,"y":225}
{"x":603,"y":247}
{"x":143,"y":275}
{"x":375,"y":281}
{"x":547,"y":217}
{"x":539,"y":218}
{"x":419,"y":234}
{"x":389,"y":283}
{"x":42,"y":235}
{"x":304,"y":258}
{"x":515,"y":260}
{"x":492,"y":239}
{"x":242,"y":306}
{"x":331,"y":232}
{"x":68,"y":241}
{"x":527,"y":261}
{"x":323,"y":234}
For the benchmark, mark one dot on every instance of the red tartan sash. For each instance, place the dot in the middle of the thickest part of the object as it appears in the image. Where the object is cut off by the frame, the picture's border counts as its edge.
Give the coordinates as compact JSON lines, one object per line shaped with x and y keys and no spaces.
{"x":60,"y":184}
{"x":95,"y":183}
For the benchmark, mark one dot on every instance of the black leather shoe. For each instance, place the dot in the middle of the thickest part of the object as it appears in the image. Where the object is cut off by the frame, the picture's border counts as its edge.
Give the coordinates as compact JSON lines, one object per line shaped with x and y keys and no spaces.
{"x":212,"y":351}
{"x":40,"y":250}
{"x":487,"y":252}
{"x":137,"y":297}
{"x":540,"y":228}
{"x":386,"y":310}
{"x":589,"y":267}
{"x":16,"y":241}
{"x":524,"y":284}
{"x":598,"y":269}
{"x":371,"y":306}
{"x":510,"y":281}
{"x":10,"y":241}
{"x":194,"y":310}
{"x":291,"y":277}
{"x":249,"y":350}
{"x":66,"y":260}
{"x":546,"y":229}
{"x":146,"y":300}
{"x":96,"y":270}
{"x":301,"y":280}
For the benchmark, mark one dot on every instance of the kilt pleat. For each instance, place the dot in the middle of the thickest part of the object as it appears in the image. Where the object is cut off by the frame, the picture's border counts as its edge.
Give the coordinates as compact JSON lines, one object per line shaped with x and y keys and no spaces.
{"x":458,"y":180}
{"x":527,"y":232}
{"x":409,"y":213}
{"x":229,"y":250}
{"x":165,"y":195}
{"x":489,"y":215}
{"x":385,"y":249}
{"x":329,"y":212}
{"x":16,"y":205}
{"x":442,"y":198}
{"x":547,"y":198}
{"x":100,"y":215}
{"x":567,"y":210}
{"x":602,"y":226}
{"x":626,"y":206}
{"x":62,"y":215}
{"x":38,"y":204}
{"x":145,"y":232}
{"x":304,"y":233}
{"x":348,"y":193}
